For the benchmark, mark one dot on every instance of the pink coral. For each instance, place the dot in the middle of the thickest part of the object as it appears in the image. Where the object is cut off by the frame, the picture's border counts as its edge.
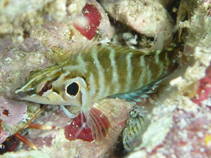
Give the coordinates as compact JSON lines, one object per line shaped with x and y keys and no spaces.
{"x":11,"y":112}
{"x":204,"y":88}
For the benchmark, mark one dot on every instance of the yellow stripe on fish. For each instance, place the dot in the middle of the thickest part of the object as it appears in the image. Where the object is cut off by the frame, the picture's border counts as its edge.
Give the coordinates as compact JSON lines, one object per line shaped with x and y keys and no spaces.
{"x":96,"y":73}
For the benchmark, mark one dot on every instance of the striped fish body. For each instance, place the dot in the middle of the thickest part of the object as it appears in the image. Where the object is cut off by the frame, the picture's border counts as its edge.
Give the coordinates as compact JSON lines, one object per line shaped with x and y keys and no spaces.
{"x":110,"y":70}
{"x":97,"y":73}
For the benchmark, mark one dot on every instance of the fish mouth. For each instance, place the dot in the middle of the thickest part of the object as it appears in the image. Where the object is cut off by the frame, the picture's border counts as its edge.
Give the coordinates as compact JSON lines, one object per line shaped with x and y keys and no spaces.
{"x":20,"y":94}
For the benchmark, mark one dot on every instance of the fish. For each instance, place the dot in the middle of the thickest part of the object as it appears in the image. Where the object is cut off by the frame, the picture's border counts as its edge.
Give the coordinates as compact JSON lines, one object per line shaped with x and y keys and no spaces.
{"x":135,"y":127}
{"x":92,"y":74}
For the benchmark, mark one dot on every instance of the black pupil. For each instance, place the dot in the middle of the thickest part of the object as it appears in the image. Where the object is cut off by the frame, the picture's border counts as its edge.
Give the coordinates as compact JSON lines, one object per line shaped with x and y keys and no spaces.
{"x":72,"y":89}
{"x":45,"y":88}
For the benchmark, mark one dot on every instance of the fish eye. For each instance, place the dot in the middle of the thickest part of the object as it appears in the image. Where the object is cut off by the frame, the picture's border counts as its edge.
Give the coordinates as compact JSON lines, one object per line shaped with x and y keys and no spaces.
{"x":72,"y":89}
{"x":44,"y":87}
{"x":47,"y":86}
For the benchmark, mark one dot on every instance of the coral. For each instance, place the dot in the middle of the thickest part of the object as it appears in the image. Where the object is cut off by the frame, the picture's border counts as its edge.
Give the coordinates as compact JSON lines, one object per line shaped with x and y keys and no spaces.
{"x":49,"y":141}
{"x":9,"y":116}
{"x":17,"y":60}
{"x":178,"y":126}
{"x":204,"y":89}
{"x":37,"y":34}
{"x":149,"y":18}
{"x":87,"y":24}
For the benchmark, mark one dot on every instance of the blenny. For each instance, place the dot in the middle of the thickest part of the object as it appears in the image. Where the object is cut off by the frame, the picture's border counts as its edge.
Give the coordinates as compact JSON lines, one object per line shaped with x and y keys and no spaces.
{"x":96,"y":73}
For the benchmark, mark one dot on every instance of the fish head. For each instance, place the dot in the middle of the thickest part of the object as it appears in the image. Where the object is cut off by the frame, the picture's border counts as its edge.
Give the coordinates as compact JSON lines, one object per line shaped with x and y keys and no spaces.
{"x":52,"y":86}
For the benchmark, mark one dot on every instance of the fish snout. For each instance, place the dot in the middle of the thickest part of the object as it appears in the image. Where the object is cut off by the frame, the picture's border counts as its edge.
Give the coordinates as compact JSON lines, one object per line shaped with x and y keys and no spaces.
{"x":19,"y":93}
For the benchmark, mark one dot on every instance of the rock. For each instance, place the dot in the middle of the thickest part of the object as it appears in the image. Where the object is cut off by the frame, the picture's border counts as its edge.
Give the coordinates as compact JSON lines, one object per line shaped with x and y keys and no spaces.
{"x":146,"y":17}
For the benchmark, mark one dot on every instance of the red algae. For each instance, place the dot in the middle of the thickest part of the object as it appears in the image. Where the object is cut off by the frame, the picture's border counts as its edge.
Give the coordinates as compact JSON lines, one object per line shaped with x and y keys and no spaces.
{"x":204,"y":89}
{"x":78,"y":128}
{"x":9,"y":145}
{"x":72,"y":130}
{"x":188,"y":142}
{"x":87,"y":23}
